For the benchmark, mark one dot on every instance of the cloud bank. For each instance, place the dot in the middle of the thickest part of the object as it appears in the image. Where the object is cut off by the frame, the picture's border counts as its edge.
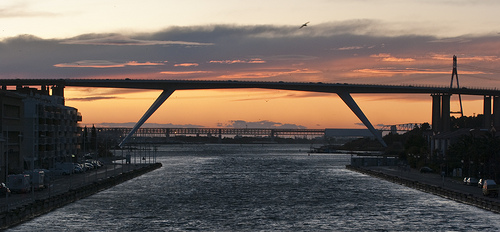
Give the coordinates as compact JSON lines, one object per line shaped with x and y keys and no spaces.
{"x":120,"y":40}
{"x":145,"y":125}
{"x":355,"y":51}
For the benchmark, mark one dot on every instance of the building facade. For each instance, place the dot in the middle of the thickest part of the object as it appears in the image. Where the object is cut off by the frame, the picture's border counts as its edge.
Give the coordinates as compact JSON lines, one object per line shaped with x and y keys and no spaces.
{"x":38,"y":130}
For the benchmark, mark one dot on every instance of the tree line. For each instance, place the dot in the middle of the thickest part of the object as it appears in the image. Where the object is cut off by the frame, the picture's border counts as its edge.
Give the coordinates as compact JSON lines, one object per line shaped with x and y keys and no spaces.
{"x":476,"y":151}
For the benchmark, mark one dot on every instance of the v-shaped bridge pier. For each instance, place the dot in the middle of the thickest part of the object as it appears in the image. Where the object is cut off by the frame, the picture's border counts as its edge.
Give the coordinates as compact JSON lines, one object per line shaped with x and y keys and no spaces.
{"x":345,"y":96}
{"x":162,"y":98}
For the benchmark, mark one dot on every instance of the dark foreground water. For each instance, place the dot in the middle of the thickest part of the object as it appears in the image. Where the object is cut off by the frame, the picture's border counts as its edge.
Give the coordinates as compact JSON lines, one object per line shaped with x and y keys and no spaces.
{"x":260,"y":188}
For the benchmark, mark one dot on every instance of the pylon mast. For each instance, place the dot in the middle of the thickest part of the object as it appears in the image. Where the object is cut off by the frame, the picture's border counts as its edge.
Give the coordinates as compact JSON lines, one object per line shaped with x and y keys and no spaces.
{"x":454,"y":73}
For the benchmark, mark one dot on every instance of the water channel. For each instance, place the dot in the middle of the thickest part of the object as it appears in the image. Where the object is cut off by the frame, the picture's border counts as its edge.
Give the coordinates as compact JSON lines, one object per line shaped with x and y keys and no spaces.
{"x":260,"y":188}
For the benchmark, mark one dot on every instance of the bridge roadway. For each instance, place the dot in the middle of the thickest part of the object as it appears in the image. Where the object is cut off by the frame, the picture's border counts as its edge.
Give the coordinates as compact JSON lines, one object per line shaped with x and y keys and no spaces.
{"x":440,"y":110}
{"x":230,"y":84}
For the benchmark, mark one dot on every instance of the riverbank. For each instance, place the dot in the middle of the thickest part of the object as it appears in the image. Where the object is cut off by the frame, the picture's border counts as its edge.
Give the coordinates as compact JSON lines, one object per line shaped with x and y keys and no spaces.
{"x":432,"y":183}
{"x":47,"y":202}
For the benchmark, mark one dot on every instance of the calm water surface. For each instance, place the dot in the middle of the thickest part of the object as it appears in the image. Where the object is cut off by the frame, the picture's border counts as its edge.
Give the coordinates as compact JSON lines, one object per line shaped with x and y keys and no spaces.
{"x":260,"y":188}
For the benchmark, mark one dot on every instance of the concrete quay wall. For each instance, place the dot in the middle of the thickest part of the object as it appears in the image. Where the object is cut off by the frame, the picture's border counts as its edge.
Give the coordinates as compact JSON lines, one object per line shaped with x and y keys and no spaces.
{"x":480,"y":202}
{"x":39,"y":207}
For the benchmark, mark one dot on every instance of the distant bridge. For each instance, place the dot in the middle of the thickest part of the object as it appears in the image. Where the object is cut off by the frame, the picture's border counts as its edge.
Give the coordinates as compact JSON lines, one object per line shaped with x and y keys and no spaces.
{"x":168,"y":132}
{"x":121,"y":132}
{"x":440,"y":95}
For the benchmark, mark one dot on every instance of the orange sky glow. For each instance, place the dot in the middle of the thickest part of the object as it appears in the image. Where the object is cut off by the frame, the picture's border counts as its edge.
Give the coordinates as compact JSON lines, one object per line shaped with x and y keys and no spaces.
{"x":380,"y":43}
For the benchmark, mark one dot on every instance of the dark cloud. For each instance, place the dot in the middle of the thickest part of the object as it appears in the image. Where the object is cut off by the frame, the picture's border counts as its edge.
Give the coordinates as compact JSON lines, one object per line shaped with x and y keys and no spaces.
{"x":147,"y":125}
{"x":120,"y":40}
{"x":102,"y":93}
{"x":105,"y":64}
{"x":90,"y":98}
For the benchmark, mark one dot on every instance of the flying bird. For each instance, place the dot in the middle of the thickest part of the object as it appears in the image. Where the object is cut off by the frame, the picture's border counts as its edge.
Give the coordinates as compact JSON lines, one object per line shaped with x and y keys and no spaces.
{"x":303,"y":25}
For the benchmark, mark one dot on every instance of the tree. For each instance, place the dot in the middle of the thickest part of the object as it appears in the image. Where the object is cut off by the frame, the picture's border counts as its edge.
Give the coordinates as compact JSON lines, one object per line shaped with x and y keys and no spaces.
{"x":477,"y":154}
{"x":93,"y":138}
{"x":417,"y":148}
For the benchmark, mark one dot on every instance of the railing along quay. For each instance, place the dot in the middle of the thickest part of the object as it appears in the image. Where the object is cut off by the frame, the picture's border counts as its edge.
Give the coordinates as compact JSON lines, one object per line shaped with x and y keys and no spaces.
{"x":490,"y":204}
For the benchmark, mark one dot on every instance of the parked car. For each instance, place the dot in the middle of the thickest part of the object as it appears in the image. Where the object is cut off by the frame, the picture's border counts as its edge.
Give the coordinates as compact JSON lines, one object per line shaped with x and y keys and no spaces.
{"x":472,"y":181}
{"x":4,"y":190}
{"x":67,"y":168}
{"x":59,"y":171}
{"x":78,"y":168}
{"x":490,"y":187}
{"x":480,"y":183}
{"x":19,"y":183}
{"x":426,"y":170}
{"x":88,"y":166}
{"x":37,"y":178}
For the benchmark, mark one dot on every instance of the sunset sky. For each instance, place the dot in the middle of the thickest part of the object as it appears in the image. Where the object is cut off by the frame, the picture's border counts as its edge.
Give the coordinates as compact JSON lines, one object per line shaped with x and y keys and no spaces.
{"x":346,"y":41}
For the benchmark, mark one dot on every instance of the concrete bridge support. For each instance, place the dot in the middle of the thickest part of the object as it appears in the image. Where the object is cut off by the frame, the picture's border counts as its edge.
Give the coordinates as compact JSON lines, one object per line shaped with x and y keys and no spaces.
{"x":441,"y":113}
{"x":349,"y":101}
{"x":441,"y":118}
{"x":445,"y":113}
{"x":163,"y":96}
{"x":436,"y":113}
{"x":487,"y":112}
{"x":496,"y":112}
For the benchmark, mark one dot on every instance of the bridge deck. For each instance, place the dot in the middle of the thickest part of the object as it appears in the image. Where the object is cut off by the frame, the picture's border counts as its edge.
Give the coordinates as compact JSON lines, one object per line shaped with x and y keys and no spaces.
{"x":298,"y":86}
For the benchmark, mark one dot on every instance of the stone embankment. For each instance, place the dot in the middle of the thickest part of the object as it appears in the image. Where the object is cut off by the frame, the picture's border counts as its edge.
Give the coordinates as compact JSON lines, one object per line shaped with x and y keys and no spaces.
{"x":451,"y":191}
{"x":41,"y":206}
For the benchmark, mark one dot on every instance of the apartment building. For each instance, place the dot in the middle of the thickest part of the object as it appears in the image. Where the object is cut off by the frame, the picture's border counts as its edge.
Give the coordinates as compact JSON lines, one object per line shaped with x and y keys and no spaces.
{"x":38,"y":130}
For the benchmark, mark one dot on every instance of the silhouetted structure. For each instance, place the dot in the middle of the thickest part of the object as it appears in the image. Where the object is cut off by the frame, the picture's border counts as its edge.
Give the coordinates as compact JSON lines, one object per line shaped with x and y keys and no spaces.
{"x":37,"y":129}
